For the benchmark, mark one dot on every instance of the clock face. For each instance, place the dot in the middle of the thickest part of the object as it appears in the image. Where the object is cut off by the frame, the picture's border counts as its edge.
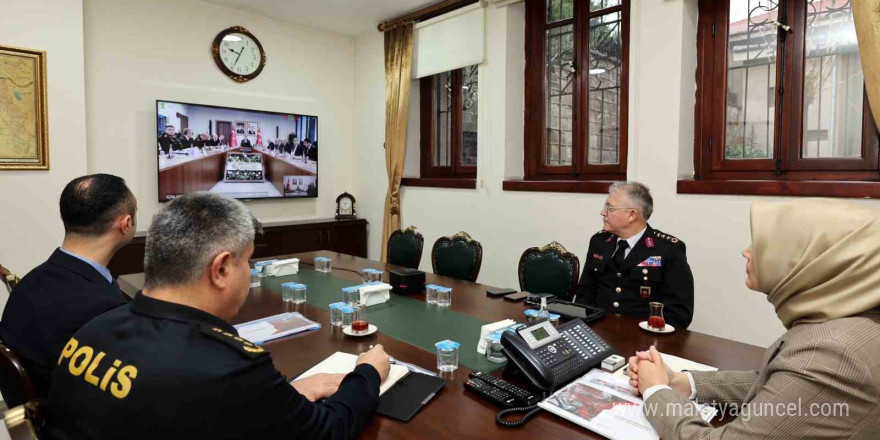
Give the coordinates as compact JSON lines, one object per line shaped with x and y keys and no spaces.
{"x":345,"y":206}
{"x":240,"y":54}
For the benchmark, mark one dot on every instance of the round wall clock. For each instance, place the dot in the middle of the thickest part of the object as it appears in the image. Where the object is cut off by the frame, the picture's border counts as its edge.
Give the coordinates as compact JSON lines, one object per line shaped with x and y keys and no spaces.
{"x":238,"y":54}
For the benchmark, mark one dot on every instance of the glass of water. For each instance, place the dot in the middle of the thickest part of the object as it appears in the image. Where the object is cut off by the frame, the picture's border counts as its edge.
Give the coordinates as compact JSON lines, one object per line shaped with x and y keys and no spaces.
{"x":431,"y":293}
{"x":447,"y":355}
{"x":444,"y":296}
{"x":293,"y":292}
{"x":322,"y":264}
{"x":348,"y":313}
{"x":351,"y":295}
{"x":369,"y":275}
{"x":255,"y":278}
{"x":336,"y":314}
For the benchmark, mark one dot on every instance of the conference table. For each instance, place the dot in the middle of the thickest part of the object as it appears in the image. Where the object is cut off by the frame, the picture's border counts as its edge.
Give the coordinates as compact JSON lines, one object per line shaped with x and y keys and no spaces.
{"x":453,"y":412}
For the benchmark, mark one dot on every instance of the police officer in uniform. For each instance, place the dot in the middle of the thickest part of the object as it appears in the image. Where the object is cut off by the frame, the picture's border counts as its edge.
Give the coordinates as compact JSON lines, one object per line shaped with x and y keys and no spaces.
{"x":170,"y":366}
{"x":629,"y":264}
{"x":168,"y":141}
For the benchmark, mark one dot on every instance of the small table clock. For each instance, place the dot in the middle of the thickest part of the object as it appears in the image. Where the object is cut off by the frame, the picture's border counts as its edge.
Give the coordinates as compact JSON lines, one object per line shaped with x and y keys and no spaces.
{"x":345,"y":209}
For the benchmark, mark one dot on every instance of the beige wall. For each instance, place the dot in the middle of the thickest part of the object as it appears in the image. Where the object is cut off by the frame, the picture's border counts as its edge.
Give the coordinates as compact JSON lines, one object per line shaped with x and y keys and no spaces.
{"x":139,"y":51}
{"x":29,"y":218}
{"x":663,"y":61}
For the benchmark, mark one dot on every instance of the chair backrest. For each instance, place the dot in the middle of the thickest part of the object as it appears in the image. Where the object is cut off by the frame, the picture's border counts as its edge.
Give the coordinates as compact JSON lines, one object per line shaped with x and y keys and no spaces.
{"x":21,"y":420}
{"x":458,"y":256}
{"x":405,"y":247}
{"x":549,"y":269}
{"x":10,"y":280}
{"x":15,"y":384}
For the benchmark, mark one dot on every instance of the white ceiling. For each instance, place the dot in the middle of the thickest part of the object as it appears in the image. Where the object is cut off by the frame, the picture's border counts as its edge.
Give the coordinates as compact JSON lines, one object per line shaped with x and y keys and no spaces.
{"x":349,"y":17}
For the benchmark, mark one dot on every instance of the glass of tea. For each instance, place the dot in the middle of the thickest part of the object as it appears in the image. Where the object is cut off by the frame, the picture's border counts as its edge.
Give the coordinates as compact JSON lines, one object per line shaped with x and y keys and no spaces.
{"x":360,"y":323}
{"x":656,"y":320}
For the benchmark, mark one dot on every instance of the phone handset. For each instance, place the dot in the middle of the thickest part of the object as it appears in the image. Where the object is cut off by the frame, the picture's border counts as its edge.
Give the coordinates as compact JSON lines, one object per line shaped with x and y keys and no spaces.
{"x":519,"y":352}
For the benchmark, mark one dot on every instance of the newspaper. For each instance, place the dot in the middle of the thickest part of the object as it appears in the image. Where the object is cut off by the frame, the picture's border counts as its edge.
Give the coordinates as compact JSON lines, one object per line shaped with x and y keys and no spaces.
{"x":607,"y":405}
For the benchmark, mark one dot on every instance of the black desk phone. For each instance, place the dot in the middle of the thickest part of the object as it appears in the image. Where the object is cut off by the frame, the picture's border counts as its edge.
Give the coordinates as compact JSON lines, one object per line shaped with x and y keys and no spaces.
{"x":550,"y":357}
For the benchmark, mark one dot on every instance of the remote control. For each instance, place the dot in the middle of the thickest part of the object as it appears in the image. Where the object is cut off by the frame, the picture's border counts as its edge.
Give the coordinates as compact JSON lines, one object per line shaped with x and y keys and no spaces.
{"x":524,"y":397}
{"x":490,"y":393}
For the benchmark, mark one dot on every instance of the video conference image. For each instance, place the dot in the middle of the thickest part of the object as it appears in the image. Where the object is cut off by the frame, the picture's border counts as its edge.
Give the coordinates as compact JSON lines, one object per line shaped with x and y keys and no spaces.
{"x":245,"y":154}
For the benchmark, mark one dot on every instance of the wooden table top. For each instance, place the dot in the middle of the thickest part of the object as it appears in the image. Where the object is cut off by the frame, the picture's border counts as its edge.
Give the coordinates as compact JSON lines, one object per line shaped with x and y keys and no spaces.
{"x":454,"y":413}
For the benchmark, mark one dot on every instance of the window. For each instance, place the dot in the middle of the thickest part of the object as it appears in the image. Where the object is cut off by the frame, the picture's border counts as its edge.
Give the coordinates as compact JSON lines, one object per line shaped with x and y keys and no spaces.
{"x":449,"y":124}
{"x":576,"y":89}
{"x":782,"y":102}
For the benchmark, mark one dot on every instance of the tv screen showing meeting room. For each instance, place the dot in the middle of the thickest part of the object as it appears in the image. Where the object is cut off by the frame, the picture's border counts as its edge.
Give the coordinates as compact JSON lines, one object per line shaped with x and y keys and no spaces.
{"x":245,"y":154}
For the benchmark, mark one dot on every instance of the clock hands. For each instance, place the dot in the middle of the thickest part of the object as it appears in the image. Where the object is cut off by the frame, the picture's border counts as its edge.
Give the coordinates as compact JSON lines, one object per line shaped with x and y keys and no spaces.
{"x":239,"y":56}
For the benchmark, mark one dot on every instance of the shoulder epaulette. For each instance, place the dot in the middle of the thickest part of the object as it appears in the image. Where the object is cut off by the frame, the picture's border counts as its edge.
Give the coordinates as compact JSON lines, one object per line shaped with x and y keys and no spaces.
{"x":666,"y":237}
{"x":601,"y":232}
{"x":241,"y":345}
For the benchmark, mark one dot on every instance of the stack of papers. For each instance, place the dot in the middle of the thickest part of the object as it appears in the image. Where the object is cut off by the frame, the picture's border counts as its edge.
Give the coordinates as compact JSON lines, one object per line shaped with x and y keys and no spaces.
{"x":274,"y":327}
{"x":344,"y":363}
{"x":605,"y":404}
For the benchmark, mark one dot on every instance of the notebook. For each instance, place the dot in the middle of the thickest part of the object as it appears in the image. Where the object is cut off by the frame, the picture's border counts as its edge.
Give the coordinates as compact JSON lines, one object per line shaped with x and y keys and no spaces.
{"x":344,"y":363}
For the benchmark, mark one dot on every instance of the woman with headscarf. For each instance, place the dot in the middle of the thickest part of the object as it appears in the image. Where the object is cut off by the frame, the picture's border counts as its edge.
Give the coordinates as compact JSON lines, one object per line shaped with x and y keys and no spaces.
{"x":818,"y":262}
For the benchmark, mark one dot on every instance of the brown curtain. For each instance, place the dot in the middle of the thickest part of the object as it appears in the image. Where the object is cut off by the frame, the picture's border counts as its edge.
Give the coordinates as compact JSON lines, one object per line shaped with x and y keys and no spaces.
{"x":398,"y":68}
{"x":867,"y":17}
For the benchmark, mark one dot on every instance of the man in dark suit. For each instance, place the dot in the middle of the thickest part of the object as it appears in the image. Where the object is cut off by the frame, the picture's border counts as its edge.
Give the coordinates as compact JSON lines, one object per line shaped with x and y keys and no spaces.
{"x":246,"y":143}
{"x":73,"y":286}
{"x":187,"y":140}
{"x":629,"y":264}
{"x":292,"y":145}
{"x":177,"y":369}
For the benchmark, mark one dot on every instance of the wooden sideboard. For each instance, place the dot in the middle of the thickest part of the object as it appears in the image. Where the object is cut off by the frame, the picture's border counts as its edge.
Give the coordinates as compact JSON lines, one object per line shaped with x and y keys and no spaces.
{"x":279,"y":238}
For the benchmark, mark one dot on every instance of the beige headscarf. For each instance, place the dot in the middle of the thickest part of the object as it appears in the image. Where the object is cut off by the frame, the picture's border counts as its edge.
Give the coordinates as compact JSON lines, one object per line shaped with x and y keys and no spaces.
{"x":817,"y":259}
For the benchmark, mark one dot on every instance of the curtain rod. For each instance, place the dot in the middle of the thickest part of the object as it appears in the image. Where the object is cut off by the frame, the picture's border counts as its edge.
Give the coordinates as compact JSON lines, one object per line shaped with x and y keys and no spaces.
{"x":428,"y":11}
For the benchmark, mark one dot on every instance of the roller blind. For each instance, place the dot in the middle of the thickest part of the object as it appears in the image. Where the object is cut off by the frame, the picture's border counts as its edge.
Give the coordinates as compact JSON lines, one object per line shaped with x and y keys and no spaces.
{"x":450,"y":41}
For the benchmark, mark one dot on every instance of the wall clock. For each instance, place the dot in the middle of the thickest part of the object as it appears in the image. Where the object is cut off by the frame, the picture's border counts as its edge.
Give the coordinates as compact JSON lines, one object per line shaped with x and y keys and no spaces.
{"x":238,"y":54}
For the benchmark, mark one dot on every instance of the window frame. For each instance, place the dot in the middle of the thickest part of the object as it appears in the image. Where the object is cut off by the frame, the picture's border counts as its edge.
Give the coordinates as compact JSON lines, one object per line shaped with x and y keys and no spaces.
{"x":535,"y":109}
{"x":427,"y":138}
{"x":786,"y":165}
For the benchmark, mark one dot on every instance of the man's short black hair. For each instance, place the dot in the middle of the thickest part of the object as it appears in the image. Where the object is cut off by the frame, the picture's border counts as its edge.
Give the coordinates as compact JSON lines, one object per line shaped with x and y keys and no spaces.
{"x":90,"y":204}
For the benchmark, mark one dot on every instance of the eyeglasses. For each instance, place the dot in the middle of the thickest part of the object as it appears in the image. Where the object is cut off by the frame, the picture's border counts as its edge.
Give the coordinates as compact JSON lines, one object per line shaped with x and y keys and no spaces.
{"x":609,"y":208}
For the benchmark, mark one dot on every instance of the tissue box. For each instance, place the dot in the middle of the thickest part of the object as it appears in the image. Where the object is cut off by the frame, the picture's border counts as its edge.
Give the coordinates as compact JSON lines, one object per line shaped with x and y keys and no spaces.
{"x":280,"y":268}
{"x":406,"y":281}
{"x":374,"y":293}
{"x":491,"y":328}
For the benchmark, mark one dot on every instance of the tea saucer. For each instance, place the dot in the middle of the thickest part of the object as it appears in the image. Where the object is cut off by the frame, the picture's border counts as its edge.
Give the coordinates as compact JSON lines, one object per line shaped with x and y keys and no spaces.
{"x":644,"y":326}
{"x":370,"y":330}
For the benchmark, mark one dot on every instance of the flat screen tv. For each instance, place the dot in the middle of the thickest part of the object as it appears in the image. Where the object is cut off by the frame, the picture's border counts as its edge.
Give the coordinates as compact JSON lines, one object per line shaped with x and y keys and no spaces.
{"x":245,"y":154}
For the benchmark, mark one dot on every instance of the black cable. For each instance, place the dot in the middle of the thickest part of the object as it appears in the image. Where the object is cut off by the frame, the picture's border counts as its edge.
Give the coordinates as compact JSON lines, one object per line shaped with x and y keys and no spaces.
{"x":532,"y":410}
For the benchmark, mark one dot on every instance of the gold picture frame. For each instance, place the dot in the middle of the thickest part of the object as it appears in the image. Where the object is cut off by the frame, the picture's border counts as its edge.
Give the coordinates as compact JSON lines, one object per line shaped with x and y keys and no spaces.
{"x":24,"y":142}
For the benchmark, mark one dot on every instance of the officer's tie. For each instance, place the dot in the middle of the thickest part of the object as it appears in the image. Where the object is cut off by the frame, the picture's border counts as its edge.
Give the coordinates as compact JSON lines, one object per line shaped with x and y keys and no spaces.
{"x":620,"y":254}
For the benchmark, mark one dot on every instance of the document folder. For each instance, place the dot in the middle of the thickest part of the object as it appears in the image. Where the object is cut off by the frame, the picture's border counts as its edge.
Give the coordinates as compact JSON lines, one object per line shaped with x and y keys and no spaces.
{"x":408,"y":395}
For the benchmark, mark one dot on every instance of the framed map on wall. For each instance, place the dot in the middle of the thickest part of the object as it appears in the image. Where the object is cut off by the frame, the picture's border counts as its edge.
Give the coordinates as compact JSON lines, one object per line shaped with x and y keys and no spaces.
{"x":24,"y":131}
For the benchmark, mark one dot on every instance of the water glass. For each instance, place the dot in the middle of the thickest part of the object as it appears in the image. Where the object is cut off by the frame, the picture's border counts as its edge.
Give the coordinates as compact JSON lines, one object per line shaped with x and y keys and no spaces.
{"x":293,"y":292}
{"x":322,"y":264}
{"x":447,"y":355}
{"x":351,"y":295}
{"x":444,"y":296}
{"x":255,"y":278}
{"x":431,"y":293}
{"x":493,"y":348}
{"x":336,"y":314}
{"x":369,"y":275}
{"x":348,"y":313}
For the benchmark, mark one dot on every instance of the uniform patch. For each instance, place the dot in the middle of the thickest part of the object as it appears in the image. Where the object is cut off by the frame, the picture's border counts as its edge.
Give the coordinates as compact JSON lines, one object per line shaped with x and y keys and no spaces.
{"x":645,"y":292}
{"x":649,"y":243}
{"x":245,"y":347}
{"x":598,"y":257}
{"x":652,"y":262}
{"x":608,"y":240}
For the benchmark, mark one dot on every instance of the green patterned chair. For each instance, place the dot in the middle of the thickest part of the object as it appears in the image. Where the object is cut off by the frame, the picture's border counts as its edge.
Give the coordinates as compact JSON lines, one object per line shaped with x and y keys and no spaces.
{"x":458,"y":256}
{"x":405,"y":247}
{"x":549,"y":269}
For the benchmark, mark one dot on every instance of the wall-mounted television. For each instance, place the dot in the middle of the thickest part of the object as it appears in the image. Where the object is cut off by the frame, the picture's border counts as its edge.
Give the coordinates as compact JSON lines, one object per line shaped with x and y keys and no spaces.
{"x":245,"y":154}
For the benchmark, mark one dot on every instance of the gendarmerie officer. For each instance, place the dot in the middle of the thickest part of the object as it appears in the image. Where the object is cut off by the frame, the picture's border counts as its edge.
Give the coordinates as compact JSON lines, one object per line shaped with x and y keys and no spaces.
{"x":170,"y":366}
{"x":168,"y":141}
{"x":629,"y":264}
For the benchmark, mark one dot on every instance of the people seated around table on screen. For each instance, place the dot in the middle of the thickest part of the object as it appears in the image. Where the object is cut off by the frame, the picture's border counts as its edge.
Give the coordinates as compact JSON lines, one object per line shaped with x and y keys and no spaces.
{"x":245,"y":143}
{"x":168,"y":140}
{"x":199,"y":141}
{"x":172,"y":367}
{"x":214,"y":142}
{"x":187,"y":140}
{"x":821,"y":379}
{"x":629,"y":264}
{"x":73,"y":286}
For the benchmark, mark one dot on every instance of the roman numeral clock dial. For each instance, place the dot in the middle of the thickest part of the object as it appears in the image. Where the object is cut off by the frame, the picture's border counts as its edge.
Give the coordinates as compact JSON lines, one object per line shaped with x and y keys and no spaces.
{"x":238,"y":54}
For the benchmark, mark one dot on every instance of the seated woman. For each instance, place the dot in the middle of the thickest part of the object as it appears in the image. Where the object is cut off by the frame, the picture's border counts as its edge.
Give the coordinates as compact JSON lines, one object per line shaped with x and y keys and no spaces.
{"x":818,"y":261}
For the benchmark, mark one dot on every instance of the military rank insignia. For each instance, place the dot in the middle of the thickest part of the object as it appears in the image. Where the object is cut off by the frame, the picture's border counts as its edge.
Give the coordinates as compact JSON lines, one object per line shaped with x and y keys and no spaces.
{"x":598,"y":257}
{"x":649,"y":243}
{"x":645,"y":292}
{"x":246,"y":347}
